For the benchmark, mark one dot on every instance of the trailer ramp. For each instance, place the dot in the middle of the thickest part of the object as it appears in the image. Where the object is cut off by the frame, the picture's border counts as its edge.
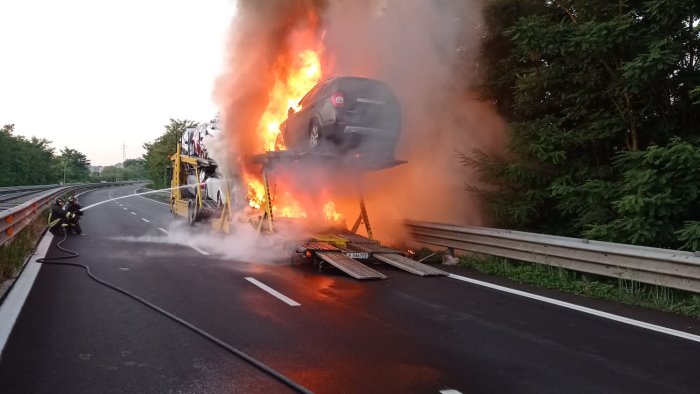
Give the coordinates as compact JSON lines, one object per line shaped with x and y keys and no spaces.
{"x":409,"y":265}
{"x":350,"y":266}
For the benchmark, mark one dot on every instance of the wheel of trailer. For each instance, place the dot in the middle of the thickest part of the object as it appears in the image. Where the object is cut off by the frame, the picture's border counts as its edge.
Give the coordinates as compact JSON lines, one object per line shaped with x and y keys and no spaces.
{"x":192,"y":212}
{"x":314,"y":136}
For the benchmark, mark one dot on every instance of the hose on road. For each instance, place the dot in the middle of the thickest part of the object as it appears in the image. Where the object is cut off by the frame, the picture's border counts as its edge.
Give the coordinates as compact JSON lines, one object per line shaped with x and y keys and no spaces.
{"x":258,"y":364}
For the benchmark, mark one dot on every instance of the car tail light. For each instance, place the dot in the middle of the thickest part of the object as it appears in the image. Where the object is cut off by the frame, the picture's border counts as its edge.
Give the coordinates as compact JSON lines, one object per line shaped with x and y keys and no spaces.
{"x":337,"y":99}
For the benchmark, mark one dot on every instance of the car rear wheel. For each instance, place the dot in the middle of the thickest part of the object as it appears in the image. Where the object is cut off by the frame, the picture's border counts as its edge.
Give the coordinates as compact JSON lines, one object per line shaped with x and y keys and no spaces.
{"x":314,"y":136}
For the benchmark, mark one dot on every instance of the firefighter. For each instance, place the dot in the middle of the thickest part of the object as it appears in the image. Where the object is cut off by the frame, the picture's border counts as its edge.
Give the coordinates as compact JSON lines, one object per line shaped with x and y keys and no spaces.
{"x":73,"y":208}
{"x":58,"y":217}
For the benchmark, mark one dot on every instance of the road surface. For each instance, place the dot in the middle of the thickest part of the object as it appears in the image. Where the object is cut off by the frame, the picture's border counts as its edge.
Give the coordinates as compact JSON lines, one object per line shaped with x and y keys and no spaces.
{"x":326,"y":331}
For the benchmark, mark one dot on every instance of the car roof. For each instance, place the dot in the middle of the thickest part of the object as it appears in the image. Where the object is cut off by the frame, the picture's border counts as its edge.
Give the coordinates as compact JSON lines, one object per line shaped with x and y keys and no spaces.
{"x":339,"y":78}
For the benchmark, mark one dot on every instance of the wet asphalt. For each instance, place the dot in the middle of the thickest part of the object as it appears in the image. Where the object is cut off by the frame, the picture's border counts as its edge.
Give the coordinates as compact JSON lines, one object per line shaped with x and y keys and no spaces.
{"x":406,"y":334}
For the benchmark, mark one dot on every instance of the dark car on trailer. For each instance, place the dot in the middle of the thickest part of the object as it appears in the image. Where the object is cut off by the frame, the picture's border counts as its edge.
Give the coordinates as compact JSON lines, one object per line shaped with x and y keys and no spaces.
{"x":345,"y":116}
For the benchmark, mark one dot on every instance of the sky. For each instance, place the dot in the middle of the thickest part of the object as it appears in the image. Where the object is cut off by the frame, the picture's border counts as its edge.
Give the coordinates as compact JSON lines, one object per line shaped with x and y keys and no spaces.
{"x":93,"y":75}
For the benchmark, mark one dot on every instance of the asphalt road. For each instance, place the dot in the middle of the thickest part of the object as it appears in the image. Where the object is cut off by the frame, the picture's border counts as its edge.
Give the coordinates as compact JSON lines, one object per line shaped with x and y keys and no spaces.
{"x":406,"y":334}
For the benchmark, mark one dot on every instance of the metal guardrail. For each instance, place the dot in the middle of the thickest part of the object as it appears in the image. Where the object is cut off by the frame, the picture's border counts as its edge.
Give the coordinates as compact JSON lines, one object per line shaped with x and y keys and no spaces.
{"x":13,"y":220}
{"x":16,"y":189}
{"x":162,"y":196}
{"x":670,"y":268}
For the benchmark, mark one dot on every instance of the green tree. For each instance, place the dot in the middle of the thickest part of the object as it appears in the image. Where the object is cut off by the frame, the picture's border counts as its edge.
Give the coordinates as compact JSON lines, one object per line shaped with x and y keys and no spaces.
{"x":25,"y":161}
{"x":603,"y":116}
{"x":131,"y":170}
{"x":158,"y":152}
{"x":73,"y":165}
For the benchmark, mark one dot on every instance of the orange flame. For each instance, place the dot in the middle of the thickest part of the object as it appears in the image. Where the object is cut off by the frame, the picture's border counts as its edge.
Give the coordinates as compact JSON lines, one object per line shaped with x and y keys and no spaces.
{"x":331,"y":214}
{"x":290,"y":208}
{"x":304,"y":74}
{"x":287,"y":91}
{"x":256,"y":191}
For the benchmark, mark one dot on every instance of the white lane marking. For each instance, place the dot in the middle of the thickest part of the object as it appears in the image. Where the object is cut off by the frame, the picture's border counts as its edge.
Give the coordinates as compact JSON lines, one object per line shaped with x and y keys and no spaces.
{"x":152,"y":200}
{"x":11,"y":307}
{"x":125,"y":208}
{"x":133,"y":213}
{"x":450,"y":391}
{"x":146,"y":220}
{"x":272,"y":291}
{"x":590,"y":311}
{"x":204,"y":252}
{"x":149,"y":199}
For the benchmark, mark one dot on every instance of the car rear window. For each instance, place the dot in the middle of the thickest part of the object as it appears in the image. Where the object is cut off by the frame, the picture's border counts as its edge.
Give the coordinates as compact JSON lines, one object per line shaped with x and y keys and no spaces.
{"x":368,"y":88}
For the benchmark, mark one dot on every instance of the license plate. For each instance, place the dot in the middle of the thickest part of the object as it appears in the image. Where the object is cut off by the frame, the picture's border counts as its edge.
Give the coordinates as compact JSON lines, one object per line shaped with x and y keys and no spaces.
{"x":357,"y":255}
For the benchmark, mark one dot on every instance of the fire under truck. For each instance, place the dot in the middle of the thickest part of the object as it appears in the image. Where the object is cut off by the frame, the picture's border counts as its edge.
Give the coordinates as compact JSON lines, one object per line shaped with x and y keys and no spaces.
{"x":342,"y":248}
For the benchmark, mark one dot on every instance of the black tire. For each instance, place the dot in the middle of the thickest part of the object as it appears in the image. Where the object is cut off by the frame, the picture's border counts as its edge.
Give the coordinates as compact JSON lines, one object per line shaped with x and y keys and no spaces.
{"x":315,"y":137}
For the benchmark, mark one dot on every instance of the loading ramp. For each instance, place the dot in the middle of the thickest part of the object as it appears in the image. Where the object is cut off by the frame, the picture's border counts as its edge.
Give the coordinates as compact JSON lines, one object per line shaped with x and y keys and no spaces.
{"x":339,"y":258}
{"x":350,"y":266}
{"x":390,"y":256}
{"x":341,"y":249}
{"x":409,"y":265}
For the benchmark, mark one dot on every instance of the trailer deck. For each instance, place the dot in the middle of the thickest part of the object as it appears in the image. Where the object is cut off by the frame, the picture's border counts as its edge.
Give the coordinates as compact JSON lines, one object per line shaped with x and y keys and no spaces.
{"x":341,"y":248}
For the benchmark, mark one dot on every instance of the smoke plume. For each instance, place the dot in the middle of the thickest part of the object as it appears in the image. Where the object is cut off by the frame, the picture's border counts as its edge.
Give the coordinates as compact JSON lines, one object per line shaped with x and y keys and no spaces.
{"x":416,"y":47}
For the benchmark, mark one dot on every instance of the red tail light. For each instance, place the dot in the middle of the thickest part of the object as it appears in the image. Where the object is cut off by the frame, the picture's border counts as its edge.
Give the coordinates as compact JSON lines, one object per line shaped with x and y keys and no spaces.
{"x":337,"y":99}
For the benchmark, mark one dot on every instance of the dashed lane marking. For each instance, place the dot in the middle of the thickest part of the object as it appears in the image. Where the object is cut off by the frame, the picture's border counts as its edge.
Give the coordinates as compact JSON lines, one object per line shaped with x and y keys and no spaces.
{"x":450,"y":391}
{"x":273,"y":292}
{"x":163,"y":230}
{"x":204,"y":252}
{"x":146,"y":220}
{"x":133,"y":213}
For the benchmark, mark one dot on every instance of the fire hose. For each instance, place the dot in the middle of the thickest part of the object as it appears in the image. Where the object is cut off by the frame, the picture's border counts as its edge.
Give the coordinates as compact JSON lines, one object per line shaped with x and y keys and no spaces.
{"x":249,"y":359}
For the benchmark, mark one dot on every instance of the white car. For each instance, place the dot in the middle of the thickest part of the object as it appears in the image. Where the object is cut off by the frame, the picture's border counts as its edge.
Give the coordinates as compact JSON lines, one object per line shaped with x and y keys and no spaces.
{"x":216,"y":190}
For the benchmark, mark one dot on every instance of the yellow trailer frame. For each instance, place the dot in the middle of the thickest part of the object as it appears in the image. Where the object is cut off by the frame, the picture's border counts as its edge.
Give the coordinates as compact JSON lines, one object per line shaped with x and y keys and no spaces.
{"x":267,"y":216}
{"x":191,"y":208}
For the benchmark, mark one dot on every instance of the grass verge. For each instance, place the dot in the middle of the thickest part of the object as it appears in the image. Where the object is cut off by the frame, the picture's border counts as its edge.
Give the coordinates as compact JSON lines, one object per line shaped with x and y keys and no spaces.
{"x":14,"y":253}
{"x":618,"y":290}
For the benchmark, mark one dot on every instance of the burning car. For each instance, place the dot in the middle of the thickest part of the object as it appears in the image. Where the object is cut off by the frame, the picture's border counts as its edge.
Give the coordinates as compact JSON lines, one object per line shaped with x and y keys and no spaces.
{"x":345,"y":115}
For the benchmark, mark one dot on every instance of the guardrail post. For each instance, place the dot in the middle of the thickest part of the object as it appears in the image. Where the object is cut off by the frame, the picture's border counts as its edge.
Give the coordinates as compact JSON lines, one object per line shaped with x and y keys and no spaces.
{"x":450,"y":258}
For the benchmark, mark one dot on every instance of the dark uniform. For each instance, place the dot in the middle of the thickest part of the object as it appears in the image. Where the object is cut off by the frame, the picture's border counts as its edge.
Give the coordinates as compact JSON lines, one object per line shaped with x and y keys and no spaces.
{"x":58,"y":218}
{"x":74,"y":210}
